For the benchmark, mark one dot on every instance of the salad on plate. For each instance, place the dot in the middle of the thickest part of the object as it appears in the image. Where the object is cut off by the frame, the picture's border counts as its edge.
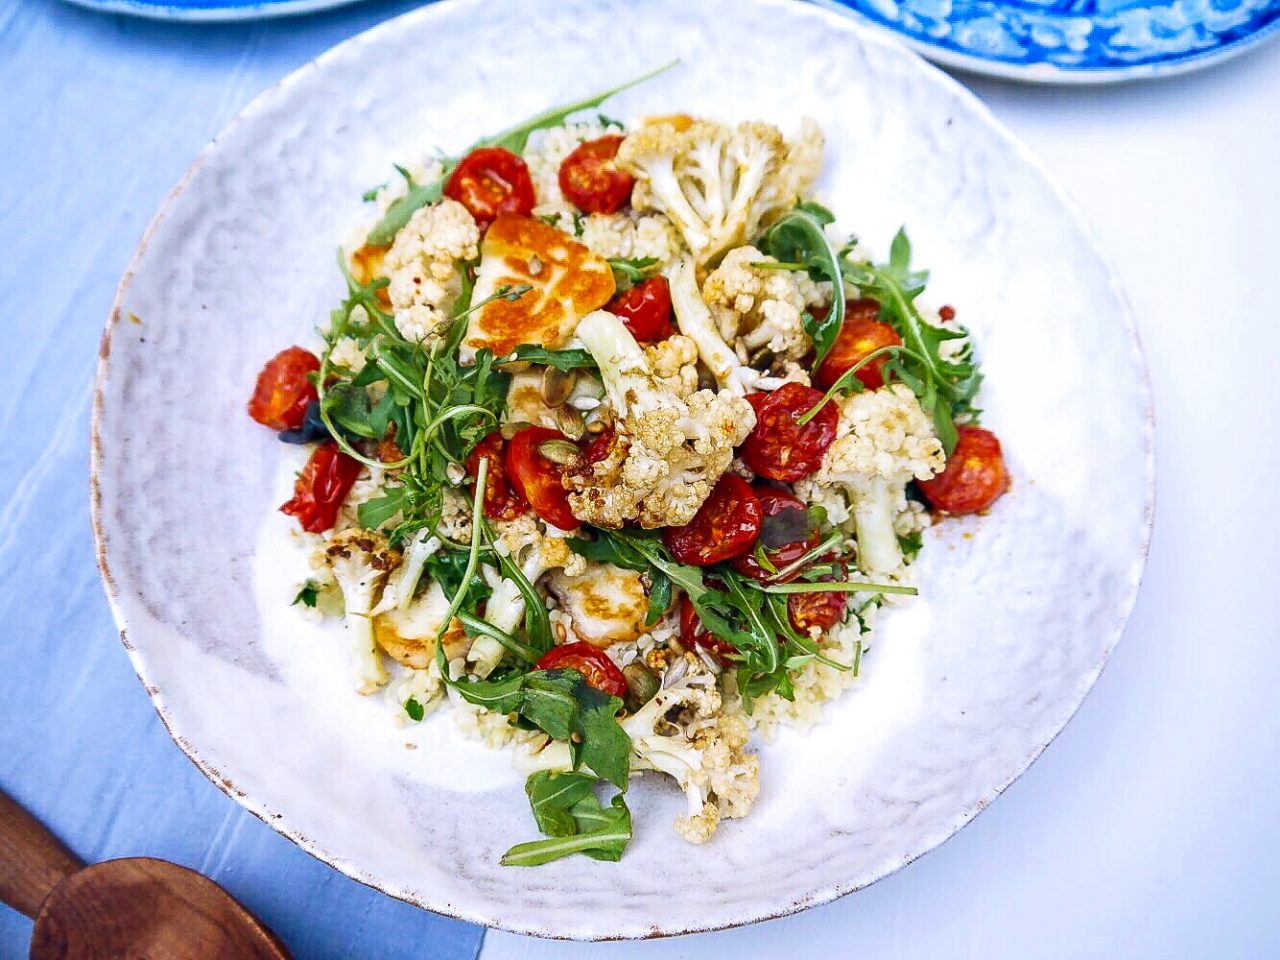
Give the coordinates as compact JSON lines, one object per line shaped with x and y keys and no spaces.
{"x":615,"y":447}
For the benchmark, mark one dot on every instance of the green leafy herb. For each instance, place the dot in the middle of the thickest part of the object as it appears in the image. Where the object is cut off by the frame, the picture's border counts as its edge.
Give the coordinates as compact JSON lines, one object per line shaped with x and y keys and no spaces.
{"x":945,"y":385}
{"x":515,"y":139}
{"x":601,"y":833}
{"x":307,"y":595}
{"x":560,"y":359}
{"x":800,"y":237}
{"x":564,"y":706}
{"x":628,"y":272}
{"x":551,"y":795}
{"x":414,"y":709}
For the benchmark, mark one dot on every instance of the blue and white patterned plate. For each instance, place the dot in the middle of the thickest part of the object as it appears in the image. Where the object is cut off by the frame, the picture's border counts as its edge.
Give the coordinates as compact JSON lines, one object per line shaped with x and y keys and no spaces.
{"x":1073,"y":41}
{"x":210,"y":10}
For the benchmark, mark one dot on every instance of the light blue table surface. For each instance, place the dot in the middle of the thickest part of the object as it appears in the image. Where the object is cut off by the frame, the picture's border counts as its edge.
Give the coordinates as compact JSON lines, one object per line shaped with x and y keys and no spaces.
{"x":1150,"y":829}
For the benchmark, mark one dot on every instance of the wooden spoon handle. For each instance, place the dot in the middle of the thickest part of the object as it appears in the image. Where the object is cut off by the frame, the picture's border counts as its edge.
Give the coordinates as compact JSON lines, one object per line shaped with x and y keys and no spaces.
{"x":32,"y":861}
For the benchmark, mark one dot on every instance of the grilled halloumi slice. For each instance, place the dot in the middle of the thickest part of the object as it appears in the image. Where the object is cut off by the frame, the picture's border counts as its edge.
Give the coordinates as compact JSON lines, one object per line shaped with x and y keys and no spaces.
{"x":607,"y":603}
{"x":568,"y":281}
{"x":408,"y":635}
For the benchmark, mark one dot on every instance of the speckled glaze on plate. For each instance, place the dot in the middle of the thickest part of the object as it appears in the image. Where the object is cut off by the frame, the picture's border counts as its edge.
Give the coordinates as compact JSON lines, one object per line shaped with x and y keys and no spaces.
{"x":1074,"y":41}
{"x":210,"y":11}
{"x":964,"y":686}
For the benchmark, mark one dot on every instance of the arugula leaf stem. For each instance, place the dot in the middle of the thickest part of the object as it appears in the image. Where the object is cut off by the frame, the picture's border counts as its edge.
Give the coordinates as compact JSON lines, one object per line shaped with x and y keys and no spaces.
{"x":851,"y":586}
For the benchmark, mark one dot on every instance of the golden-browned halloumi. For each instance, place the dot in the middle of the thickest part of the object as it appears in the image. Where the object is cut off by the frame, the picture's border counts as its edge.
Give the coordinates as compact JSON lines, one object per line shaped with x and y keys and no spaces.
{"x":607,"y":603}
{"x":408,"y":635}
{"x":568,"y":281}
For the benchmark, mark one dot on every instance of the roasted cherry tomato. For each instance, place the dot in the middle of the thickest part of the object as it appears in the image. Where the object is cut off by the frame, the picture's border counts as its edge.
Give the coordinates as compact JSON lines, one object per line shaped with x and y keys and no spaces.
{"x":645,"y":309}
{"x":725,"y":526}
{"x":975,"y":475}
{"x":537,"y":478}
{"x":321,"y":487}
{"x":591,"y":181}
{"x":594,"y":665}
{"x":780,"y":449}
{"x":284,"y":389}
{"x":784,"y":551}
{"x":600,"y":446}
{"x":489,"y":181}
{"x":694,"y":634}
{"x":861,"y":335}
{"x":500,"y":501}
{"x":822,"y":610}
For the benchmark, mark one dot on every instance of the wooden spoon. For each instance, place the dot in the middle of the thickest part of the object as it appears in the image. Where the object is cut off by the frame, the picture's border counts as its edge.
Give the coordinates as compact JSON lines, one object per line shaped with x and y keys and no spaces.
{"x":136,"y":907}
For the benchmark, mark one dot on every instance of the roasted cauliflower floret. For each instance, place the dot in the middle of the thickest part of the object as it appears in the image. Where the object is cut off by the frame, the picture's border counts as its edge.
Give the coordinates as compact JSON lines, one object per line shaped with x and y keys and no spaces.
{"x":674,"y":362}
{"x":667,"y":451}
{"x":756,"y":308}
{"x":684,"y":733}
{"x":694,"y":318}
{"x":623,"y":236}
{"x":883,"y":440}
{"x":360,"y":561}
{"x":422,"y":265}
{"x":719,"y":185}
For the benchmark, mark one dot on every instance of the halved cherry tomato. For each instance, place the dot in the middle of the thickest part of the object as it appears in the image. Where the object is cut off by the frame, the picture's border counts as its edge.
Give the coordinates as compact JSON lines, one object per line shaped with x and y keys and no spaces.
{"x":500,"y":501}
{"x":772,"y":503}
{"x":594,"y":665}
{"x":822,"y":610}
{"x":321,"y":487}
{"x":538,"y":479}
{"x":777,"y":447}
{"x":861,"y":335}
{"x":694,"y":634}
{"x":645,"y":309}
{"x":975,"y":475}
{"x":283,"y":390}
{"x":591,"y":181}
{"x":489,"y":181}
{"x":725,"y":526}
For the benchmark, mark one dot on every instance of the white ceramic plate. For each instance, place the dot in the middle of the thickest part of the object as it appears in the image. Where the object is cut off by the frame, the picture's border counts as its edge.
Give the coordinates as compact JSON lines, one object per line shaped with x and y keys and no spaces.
{"x":965,"y":686}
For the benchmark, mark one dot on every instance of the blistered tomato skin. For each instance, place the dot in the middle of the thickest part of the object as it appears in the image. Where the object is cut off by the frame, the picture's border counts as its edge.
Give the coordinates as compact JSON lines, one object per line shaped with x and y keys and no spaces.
{"x":975,"y":475}
{"x":645,"y":310}
{"x":321,"y":487}
{"x":725,"y":526}
{"x":772,"y":503}
{"x":694,"y":634}
{"x":778,"y":448}
{"x":537,"y":479}
{"x":861,"y":335}
{"x":591,"y":181}
{"x":489,"y":181}
{"x":284,"y":388}
{"x":501,"y":502}
{"x":594,"y":665}
{"x":821,"y":610}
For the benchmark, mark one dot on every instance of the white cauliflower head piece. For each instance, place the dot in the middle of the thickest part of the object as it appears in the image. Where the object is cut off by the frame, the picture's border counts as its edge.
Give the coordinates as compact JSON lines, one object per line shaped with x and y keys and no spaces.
{"x":684,"y":733}
{"x":667,"y":451}
{"x":360,"y":561}
{"x":695,"y":321}
{"x":757,"y":308}
{"x":719,"y":185}
{"x":883,"y":441}
{"x":422,"y":265}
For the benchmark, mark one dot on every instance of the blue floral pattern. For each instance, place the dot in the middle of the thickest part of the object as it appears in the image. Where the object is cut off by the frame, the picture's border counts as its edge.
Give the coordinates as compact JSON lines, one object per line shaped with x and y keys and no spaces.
{"x":1076,"y":36}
